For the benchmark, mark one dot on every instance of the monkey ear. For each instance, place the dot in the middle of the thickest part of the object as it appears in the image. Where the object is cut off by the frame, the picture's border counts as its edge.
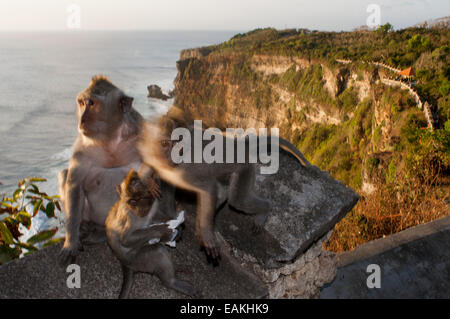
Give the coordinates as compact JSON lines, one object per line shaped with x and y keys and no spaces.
{"x":118,"y":190}
{"x":125,"y":103}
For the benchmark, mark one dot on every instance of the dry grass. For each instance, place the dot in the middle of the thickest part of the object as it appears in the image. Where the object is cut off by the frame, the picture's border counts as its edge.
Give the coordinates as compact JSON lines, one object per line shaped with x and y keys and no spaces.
{"x":393,"y":207}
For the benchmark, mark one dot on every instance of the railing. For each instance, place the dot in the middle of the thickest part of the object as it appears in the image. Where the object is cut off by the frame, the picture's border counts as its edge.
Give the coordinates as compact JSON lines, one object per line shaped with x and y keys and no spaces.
{"x":423,"y":105}
{"x":386,"y":66}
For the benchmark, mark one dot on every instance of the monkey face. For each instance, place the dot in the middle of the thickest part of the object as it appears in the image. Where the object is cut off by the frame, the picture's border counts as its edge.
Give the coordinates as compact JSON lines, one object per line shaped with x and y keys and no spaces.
{"x":101,"y":108}
{"x":140,"y":206}
{"x":137,"y":195}
{"x":90,"y":115}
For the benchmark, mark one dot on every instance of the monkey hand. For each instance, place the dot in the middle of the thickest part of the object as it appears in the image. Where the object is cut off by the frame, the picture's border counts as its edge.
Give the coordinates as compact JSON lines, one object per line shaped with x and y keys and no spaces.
{"x":209,"y":242}
{"x":68,"y":253}
{"x":165,"y":232}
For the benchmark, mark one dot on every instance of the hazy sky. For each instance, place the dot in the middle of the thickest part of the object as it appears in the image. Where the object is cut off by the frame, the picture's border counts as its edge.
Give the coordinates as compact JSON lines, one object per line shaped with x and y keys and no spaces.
{"x":214,"y":14}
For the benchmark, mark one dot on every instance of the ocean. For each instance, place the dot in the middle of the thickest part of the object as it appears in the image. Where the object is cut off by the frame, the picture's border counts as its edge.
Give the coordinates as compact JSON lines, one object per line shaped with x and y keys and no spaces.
{"x":40,"y":76}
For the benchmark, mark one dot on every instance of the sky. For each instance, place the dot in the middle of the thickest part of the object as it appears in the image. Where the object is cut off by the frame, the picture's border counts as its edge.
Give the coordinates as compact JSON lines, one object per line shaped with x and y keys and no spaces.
{"x":242,"y":15}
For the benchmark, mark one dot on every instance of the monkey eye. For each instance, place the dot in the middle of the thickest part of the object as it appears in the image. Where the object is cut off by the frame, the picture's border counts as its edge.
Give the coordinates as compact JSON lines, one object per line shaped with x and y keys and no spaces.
{"x":80,"y":101}
{"x":133,"y":202}
{"x":89,"y":102}
{"x":165,"y":143}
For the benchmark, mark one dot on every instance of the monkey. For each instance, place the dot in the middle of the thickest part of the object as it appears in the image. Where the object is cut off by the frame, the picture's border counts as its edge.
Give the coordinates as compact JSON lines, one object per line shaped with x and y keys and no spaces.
{"x":155,"y":146}
{"x":129,"y":230}
{"x":103,"y":152}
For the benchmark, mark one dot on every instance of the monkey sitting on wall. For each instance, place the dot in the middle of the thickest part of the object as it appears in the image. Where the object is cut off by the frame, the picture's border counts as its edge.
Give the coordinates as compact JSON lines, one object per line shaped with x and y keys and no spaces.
{"x":129,"y":230}
{"x":103,"y":153}
{"x":155,"y":147}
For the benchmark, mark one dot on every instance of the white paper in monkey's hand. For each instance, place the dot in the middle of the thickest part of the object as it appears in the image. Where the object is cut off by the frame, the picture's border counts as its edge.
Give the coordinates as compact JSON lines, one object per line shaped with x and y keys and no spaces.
{"x":173,"y":224}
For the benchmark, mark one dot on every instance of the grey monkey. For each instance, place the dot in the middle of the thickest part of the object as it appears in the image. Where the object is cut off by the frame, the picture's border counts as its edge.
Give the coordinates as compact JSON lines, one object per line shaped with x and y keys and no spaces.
{"x":129,"y":230}
{"x":155,"y":146}
{"x":103,"y":153}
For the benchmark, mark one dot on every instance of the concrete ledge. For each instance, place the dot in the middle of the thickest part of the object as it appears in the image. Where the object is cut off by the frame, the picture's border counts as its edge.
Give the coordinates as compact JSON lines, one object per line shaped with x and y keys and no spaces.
{"x":414,"y":263}
{"x":381,"y":245}
{"x":40,"y":276}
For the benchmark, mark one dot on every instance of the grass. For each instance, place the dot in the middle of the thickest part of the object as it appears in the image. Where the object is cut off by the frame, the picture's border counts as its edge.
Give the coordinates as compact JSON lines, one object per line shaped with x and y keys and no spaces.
{"x":407,"y":193}
{"x":393,"y":207}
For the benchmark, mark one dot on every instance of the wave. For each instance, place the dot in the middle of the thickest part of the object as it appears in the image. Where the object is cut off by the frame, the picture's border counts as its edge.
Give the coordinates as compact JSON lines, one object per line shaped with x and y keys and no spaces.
{"x":64,"y":155}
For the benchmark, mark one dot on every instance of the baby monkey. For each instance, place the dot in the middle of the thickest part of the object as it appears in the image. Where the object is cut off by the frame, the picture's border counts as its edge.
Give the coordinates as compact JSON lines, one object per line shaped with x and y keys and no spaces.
{"x":129,"y":230}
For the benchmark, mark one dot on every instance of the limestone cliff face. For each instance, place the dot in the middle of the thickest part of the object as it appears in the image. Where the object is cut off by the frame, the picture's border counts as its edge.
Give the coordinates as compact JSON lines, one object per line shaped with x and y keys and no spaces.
{"x":230,"y":90}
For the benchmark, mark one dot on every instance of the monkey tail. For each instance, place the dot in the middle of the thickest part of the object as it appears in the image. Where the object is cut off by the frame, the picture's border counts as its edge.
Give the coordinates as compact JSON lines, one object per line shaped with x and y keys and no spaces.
{"x":127,"y":282}
{"x":288,"y":147}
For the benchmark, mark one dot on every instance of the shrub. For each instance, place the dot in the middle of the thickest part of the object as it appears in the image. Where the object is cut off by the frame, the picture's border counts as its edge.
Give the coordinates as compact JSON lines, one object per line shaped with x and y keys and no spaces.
{"x":26,"y":201}
{"x":391,"y":208}
{"x":348,"y":100}
{"x":372,"y":164}
{"x":377,"y":135}
{"x":392,"y":170}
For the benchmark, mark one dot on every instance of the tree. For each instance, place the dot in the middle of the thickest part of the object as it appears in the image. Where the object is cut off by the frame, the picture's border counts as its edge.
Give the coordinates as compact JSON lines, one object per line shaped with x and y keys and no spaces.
{"x":385,"y":28}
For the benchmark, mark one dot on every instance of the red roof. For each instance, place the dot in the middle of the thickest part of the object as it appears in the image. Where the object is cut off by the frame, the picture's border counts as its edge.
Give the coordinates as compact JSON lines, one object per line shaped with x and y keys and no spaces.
{"x":407,"y":72}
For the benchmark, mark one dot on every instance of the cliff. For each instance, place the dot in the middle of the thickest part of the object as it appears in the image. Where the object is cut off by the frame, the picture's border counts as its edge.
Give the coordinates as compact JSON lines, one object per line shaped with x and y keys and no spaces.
{"x":337,"y":97}
{"x":306,"y":99}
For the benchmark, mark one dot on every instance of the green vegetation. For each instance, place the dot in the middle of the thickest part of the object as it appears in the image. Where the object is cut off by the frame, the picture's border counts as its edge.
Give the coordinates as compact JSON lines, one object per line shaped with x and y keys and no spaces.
{"x":405,"y":194}
{"x":305,"y":84}
{"x":425,"y":49}
{"x":347,"y":100}
{"x":251,"y":84}
{"x":425,"y":146}
{"x":17,"y":211}
{"x":340,"y":149}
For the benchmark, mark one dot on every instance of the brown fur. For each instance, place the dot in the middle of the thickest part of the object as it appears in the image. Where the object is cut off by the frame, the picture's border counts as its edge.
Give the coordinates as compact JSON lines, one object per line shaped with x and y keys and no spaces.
{"x":103,"y":153}
{"x":128,"y":231}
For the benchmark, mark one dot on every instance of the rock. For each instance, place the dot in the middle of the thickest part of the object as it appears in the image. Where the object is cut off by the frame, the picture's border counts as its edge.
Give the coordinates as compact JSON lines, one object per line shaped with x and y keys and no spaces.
{"x":155,"y":91}
{"x":196,"y":53}
{"x":306,"y":204}
{"x":302,"y":278}
{"x":287,"y":255}
{"x":284,"y":260}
